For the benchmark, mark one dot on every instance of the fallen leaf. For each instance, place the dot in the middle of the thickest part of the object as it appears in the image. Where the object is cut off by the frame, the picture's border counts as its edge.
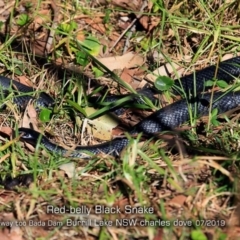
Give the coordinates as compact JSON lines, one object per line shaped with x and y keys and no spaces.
{"x":118,"y":131}
{"x":144,"y":20}
{"x":38,"y":46}
{"x":234,"y":219}
{"x":165,"y":70}
{"x":126,"y":4}
{"x":150,"y":5}
{"x":80,"y":36}
{"x":60,"y":61}
{"x":101,"y":127}
{"x":227,"y":56}
{"x":29,"y":119}
{"x":178,"y":200}
{"x":158,"y":234}
{"x":2,"y":3}
{"x":233,"y":233}
{"x":114,"y":37}
{"x":127,"y":75}
{"x":24,"y":80}
{"x":4,"y":234}
{"x":6,"y":130}
{"x":43,"y":17}
{"x":128,"y":60}
{"x":153,"y":23}
{"x":14,"y":233}
{"x":69,"y":169}
{"x":96,"y":24}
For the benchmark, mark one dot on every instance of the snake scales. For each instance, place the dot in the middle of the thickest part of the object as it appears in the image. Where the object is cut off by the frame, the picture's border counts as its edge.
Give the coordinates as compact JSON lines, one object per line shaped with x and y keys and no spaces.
{"x":166,"y":118}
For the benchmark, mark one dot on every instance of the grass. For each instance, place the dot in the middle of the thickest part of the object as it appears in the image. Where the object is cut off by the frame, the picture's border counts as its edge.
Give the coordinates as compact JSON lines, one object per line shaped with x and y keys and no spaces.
{"x":198,"y":189}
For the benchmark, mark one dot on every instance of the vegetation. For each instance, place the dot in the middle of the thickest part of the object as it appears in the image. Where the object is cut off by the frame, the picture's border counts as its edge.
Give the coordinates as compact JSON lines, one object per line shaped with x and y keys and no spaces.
{"x":183,"y":185}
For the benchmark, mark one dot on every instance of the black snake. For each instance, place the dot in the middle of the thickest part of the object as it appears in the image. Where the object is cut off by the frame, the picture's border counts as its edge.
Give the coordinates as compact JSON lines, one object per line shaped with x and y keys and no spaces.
{"x":166,"y":118}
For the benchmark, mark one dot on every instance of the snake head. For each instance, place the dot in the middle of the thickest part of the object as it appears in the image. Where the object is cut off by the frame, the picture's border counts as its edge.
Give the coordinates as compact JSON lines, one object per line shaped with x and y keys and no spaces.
{"x":29,"y":135}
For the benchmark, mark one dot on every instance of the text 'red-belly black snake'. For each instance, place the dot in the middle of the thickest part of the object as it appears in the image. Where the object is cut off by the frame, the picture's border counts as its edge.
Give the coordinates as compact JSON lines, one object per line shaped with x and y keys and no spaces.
{"x":166,"y":118}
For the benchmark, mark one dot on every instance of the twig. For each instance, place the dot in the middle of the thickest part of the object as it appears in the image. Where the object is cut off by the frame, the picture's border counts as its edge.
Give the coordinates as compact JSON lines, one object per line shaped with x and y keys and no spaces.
{"x":130,"y":27}
{"x":53,"y":27}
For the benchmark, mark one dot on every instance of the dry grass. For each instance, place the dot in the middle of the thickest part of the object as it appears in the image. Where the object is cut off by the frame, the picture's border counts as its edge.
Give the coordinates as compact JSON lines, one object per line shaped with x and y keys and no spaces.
{"x":188,"y":187}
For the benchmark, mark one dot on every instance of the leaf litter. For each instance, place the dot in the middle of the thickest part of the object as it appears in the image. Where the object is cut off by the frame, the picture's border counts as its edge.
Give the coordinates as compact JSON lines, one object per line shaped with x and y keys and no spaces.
{"x":174,"y":200}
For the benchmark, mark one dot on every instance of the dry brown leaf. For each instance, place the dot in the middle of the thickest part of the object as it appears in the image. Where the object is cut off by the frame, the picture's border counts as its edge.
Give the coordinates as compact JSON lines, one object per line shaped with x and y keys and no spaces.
{"x":117,"y":131}
{"x":2,"y":4}
{"x":228,"y":56}
{"x":99,"y":27}
{"x":15,"y":233}
{"x":165,"y":70}
{"x":149,"y":23}
{"x":60,"y":61}
{"x":96,"y":23}
{"x":144,"y":20}
{"x":80,"y":36}
{"x":159,"y":234}
{"x":24,"y":80}
{"x":150,"y":5}
{"x":5,"y":234}
{"x":127,"y":75}
{"x":128,"y":60}
{"x":123,"y":25}
{"x":178,"y":200}
{"x":29,"y":119}
{"x":6,"y":130}
{"x":114,"y":37}
{"x":233,"y":233}
{"x":154,"y":22}
{"x":38,"y":46}
{"x":43,"y":17}
{"x":130,"y":5}
{"x":234,"y":219}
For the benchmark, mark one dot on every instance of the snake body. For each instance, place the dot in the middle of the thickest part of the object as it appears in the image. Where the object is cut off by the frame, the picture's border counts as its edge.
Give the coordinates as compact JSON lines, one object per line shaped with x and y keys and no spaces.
{"x":24,"y":94}
{"x":225,"y":70}
{"x":166,"y":118}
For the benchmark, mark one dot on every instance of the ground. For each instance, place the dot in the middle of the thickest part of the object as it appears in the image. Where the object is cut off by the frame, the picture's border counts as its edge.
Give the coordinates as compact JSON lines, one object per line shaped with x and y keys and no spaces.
{"x":182,"y":185}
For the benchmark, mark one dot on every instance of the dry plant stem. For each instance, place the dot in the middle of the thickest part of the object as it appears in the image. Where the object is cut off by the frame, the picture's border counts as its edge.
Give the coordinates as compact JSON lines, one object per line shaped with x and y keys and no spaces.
{"x":10,"y":5}
{"x":53,"y":27}
{"x":127,"y":42}
{"x":212,"y":92}
{"x":130,"y":27}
